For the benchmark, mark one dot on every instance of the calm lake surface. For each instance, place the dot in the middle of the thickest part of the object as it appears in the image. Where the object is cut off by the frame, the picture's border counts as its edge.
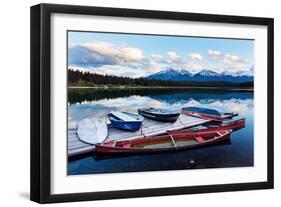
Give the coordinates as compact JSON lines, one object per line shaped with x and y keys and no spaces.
{"x":238,"y":152}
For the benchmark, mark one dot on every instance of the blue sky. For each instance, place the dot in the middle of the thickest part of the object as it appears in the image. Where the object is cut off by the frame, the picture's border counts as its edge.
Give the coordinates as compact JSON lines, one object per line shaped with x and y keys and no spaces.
{"x":141,"y":55}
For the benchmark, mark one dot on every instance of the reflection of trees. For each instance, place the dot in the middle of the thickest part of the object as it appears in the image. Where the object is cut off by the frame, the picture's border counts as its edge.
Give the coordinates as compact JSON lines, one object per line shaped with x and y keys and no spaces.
{"x":164,"y":95}
{"x":202,"y":97}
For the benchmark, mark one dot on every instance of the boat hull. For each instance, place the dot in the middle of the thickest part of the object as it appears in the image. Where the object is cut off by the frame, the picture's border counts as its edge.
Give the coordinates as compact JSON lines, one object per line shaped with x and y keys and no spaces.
{"x":233,"y":125}
{"x":130,"y":126}
{"x":108,"y":148}
{"x":92,"y":130}
{"x":202,"y":115}
{"x":159,"y":117}
{"x":126,"y":125}
{"x":218,"y":118}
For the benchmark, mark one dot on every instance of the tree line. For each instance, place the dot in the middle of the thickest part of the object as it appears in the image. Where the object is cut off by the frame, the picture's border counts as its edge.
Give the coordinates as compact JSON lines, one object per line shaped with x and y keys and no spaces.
{"x":78,"y":78}
{"x":170,"y":94}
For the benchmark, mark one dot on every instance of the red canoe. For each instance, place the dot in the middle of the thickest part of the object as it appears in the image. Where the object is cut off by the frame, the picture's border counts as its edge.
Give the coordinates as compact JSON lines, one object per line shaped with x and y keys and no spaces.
{"x":232,"y":125}
{"x":207,"y":113}
{"x":163,"y":143}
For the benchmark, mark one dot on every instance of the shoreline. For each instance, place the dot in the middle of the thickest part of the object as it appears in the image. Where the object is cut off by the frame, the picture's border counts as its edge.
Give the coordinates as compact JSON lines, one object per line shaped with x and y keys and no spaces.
{"x":162,"y":87}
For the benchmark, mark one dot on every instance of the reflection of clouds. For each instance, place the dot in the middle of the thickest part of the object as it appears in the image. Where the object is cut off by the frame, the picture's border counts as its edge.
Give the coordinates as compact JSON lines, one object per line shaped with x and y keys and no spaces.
{"x":130,"y":104}
{"x":236,"y":105}
{"x":81,"y":111}
{"x":192,"y":102}
{"x":101,"y":108}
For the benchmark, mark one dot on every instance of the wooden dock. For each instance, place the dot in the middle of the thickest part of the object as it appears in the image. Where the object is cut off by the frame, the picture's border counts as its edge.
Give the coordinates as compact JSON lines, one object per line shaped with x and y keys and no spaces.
{"x":149,"y":128}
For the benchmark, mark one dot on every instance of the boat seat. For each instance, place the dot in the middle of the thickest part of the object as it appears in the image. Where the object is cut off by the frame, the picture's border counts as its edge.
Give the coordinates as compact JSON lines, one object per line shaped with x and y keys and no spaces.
{"x":199,"y":139}
{"x":221,"y":133}
{"x":108,"y":144}
{"x":127,"y":145}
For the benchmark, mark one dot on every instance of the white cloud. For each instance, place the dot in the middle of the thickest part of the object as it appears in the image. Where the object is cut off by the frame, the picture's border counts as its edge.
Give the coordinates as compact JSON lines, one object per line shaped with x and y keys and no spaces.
{"x":155,"y":68}
{"x":122,"y":60}
{"x":214,"y":54}
{"x":121,"y":54}
{"x":157,"y":58}
{"x":123,"y":71}
{"x":129,"y":54}
{"x":229,"y":63}
{"x":194,"y":67}
{"x":233,"y":64}
{"x":137,"y":69}
{"x":229,"y":59}
{"x":104,"y":53}
{"x":174,"y":59}
{"x":237,"y":68}
{"x":172,"y":55}
{"x":196,"y":56}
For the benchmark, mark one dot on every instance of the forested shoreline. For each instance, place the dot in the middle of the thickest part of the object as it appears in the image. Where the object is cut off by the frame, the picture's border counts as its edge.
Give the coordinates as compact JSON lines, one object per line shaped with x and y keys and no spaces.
{"x":87,"y":79}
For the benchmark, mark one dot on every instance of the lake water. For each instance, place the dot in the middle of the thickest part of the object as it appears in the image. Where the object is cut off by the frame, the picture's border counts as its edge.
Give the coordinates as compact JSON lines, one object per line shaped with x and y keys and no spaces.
{"x":238,"y":152}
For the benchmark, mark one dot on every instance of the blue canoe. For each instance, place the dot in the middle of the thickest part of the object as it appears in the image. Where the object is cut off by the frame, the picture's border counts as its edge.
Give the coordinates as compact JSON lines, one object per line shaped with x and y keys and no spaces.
{"x":125,"y":120}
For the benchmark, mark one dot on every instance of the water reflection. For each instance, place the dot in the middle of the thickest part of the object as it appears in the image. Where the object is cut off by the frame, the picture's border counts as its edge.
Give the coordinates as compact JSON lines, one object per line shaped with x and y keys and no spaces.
{"x":97,"y":103}
{"x":85,"y":103}
{"x":171,"y":95}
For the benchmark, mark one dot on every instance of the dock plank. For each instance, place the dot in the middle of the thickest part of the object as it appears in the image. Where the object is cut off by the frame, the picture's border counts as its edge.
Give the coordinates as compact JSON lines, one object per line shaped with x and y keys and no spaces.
{"x":78,"y":145}
{"x":149,"y":128}
{"x":80,"y":151}
{"x":152,"y":128}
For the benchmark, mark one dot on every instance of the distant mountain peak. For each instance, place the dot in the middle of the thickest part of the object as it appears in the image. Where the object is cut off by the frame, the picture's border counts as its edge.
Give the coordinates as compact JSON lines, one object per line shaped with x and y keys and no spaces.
{"x":178,"y":74}
{"x":169,"y":73}
{"x":175,"y":70}
{"x":238,"y":73}
{"x":208,"y":73}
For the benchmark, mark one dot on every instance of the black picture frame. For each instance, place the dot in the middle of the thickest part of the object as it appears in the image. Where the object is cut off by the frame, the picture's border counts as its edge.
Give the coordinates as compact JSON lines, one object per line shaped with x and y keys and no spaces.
{"x":40,"y":185}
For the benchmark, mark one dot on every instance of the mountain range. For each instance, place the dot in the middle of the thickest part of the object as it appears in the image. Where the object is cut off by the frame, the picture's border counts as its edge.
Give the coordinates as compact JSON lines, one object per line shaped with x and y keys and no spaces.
{"x":202,"y":76}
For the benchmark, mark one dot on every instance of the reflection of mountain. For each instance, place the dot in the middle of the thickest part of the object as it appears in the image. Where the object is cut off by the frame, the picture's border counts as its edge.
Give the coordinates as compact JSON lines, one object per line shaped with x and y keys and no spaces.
{"x":222,"y":102}
{"x":97,"y":103}
{"x":202,"y":76}
{"x":203,"y":98}
{"x":168,"y":95}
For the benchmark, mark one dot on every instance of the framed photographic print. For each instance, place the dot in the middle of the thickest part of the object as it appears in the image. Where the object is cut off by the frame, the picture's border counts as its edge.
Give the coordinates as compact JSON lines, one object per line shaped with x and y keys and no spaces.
{"x":133,"y":103}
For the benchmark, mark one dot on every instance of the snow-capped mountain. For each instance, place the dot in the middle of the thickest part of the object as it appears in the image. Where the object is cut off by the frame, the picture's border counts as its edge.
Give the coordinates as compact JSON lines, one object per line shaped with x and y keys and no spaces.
{"x":208,"y":73}
{"x":203,"y":76}
{"x":170,"y":74}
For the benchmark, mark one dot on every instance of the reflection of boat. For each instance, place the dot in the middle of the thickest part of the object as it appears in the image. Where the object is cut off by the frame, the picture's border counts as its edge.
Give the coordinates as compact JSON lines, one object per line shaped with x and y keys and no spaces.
{"x":92,"y":130}
{"x":207,"y":113}
{"x":232,"y":125}
{"x":125,"y":120}
{"x":163,"y":143}
{"x":162,"y":115}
